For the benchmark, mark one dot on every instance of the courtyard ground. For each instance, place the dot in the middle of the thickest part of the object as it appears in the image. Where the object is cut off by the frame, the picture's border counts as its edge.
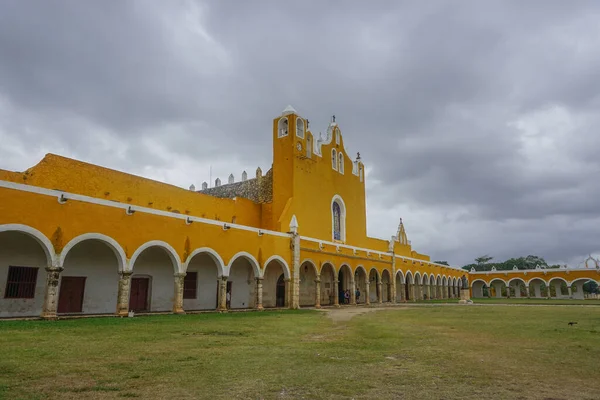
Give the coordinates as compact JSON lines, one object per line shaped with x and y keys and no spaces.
{"x":437,"y":352}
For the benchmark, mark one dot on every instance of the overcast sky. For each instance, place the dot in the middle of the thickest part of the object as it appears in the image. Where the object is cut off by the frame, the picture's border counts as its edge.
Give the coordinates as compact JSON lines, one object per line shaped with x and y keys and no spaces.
{"x":477,"y":120}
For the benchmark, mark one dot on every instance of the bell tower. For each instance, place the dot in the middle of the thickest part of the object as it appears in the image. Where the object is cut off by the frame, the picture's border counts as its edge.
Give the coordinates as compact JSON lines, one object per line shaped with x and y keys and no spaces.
{"x":289,"y":143}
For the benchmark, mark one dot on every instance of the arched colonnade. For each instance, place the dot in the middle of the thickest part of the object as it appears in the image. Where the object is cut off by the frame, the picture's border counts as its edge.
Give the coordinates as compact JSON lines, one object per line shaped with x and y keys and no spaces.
{"x":92,"y":275}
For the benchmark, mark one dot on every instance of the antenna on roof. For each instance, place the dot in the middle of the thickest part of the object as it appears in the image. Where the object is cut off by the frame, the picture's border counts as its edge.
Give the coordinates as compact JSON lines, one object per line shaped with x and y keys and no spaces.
{"x":210,"y":177}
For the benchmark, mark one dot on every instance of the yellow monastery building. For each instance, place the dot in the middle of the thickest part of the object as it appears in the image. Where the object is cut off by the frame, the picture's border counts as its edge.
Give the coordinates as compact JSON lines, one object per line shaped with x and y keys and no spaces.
{"x":77,"y":238}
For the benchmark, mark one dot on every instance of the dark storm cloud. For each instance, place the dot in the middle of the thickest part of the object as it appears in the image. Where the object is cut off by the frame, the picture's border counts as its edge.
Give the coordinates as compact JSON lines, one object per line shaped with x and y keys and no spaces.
{"x":476,"y":119}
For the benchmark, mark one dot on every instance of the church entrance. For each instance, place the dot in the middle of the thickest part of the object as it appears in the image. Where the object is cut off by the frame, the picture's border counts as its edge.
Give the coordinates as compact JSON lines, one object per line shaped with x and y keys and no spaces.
{"x":280,"y":292}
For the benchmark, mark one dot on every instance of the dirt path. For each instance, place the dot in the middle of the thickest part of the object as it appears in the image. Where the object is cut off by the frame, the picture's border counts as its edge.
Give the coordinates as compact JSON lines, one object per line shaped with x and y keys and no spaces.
{"x":346,"y":313}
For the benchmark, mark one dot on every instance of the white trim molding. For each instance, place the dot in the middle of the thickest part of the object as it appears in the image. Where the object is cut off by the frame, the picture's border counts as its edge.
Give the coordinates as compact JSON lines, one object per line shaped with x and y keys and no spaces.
{"x":38,"y":236}
{"x":112,"y":243}
{"x":282,"y":263}
{"x":175,"y":259}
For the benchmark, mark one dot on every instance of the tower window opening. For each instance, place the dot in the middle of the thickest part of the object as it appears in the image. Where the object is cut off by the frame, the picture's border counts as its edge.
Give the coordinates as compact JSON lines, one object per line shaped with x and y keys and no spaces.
{"x":300,"y":128}
{"x":334,"y":159}
{"x":282,"y":127}
{"x":341,"y":162}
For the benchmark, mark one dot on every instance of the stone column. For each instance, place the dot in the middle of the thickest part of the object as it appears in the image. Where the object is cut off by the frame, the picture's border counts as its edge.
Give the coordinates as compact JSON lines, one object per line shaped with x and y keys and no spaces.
{"x":178,"y":301}
{"x":318,"y":293}
{"x":336,"y":292}
{"x":287,"y":302}
{"x":123,"y":293}
{"x":367,"y":294}
{"x":353,"y":292}
{"x":295,"y":290}
{"x":380,"y":288}
{"x":222,"y":306}
{"x":558,"y":289}
{"x":51,"y":295}
{"x":527,"y":291}
{"x":259,"y":293}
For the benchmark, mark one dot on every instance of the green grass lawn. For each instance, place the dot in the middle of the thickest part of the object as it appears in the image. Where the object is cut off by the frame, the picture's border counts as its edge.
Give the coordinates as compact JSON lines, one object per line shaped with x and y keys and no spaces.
{"x":565,"y":302}
{"x":402,"y":352}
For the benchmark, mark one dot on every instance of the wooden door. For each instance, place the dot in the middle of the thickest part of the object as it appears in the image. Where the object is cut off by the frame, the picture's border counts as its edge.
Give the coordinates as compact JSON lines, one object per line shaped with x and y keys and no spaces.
{"x":138,"y":295}
{"x":70,"y":298}
{"x":280,"y":292}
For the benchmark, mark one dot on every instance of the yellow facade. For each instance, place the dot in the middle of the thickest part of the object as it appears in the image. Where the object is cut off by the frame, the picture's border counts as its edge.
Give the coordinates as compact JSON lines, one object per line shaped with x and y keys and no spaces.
{"x":62,"y":202}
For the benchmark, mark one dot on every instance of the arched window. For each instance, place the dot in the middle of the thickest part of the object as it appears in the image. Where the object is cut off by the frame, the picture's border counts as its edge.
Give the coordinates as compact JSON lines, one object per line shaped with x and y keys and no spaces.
{"x":338,"y":219}
{"x":282,"y":127}
{"x":361,"y":174}
{"x":300,"y":128}
{"x":341,"y":162}
{"x":333,"y":159}
{"x":337,"y":136}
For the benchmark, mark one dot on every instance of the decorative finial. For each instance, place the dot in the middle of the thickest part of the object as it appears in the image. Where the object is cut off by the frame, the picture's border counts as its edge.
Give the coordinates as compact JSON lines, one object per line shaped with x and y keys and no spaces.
{"x":231,"y":179}
{"x":333,"y":118}
{"x":358,"y":156}
{"x":192,"y":187}
{"x":307,"y":122}
{"x":294,"y":224}
{"x":204,"y":185}
{"x":244,"y":176}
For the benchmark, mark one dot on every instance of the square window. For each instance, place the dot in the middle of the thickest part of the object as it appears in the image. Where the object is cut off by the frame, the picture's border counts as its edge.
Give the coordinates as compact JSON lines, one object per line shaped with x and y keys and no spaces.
{"x":189,"y":285}
{"x":21,"y":283}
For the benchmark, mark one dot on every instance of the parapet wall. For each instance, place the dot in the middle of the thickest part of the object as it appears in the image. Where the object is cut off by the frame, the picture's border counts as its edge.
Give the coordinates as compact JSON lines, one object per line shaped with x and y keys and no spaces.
{"x":259,"y":189}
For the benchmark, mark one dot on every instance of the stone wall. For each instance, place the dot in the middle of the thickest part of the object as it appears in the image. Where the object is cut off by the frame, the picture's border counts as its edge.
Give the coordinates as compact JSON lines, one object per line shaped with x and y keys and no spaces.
{"x":259,"y":189}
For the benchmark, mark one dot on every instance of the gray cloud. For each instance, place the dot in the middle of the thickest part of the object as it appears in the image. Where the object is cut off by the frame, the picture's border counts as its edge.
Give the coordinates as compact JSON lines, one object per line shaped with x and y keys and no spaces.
{"x":476,"y":119}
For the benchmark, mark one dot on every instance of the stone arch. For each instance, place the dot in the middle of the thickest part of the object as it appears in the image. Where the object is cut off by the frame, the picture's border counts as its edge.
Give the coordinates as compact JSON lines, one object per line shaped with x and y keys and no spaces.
{"x":479,"y":286}
{"x":517,"y":287}
{"x":309,"y":261}
{"x":250,"y":258}
{"x":112,"y":244}
{"x":577,"y":290}
{"x":400,"y":292}
{"x":497,"y":286}
{"x":284,"y":265}
{"x":308,"y":283}
{"x":386,"y":286}
{"x":535,"y":287}
{"x":211,"y":253}
{"x":23,"y":246}
{"x":327,"y":276}
{"x":89,"y":282}
{"x":558,"y":288}
{"x":242,"y":271}
{"x":329,"y":264}
{"x":170,"y":251}
{"x":345,"y":283}
{"x":204,"y":267}
{"x":360,"y":281}
{"x":409,"y":286}
{"x":276,"y":274}
{"x":374,"y":279}
{"x":153,"y":266}
{"x":38,"y":236}
{"x":426,"y":294}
